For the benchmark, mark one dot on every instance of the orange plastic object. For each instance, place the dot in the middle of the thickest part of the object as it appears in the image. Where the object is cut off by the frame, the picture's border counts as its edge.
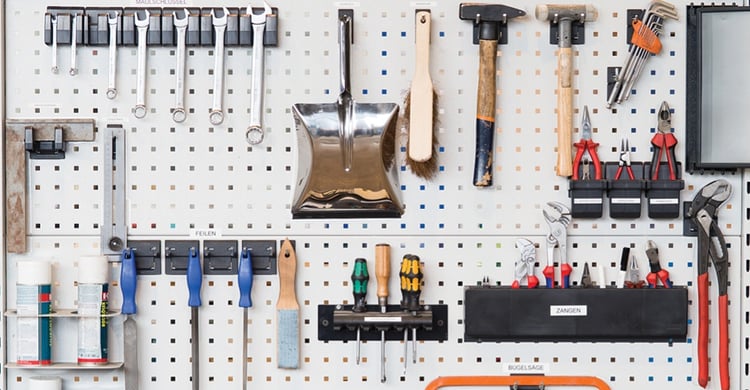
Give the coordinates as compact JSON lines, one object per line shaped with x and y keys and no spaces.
{"x":645,"y":38}
{"x":519,"y":380}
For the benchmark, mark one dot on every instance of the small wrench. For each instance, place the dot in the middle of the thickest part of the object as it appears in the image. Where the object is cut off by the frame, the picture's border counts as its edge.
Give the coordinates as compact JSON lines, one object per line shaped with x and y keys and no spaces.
{"x":53,"y":19}
{"x":140,"y":92}
{"x":254,"y":134}
{"x":220,"y":24}
{"x":180,"y":24}
{"x":112,"y":21}
{"x":73,"y":43}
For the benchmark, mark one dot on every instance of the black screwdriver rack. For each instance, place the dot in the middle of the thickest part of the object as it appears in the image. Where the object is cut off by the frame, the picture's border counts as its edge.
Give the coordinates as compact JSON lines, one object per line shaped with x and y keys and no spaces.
{"x":340,"y":323}
{"x":92,"y":27}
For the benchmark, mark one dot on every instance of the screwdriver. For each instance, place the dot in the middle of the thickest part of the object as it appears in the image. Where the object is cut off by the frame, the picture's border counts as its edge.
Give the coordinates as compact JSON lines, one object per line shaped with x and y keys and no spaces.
{"x":382,"y":274}
{"x":411,"y":287}
{"x":360,"y":277}
{"x":194,"y":281}
{"x":245,"y":284}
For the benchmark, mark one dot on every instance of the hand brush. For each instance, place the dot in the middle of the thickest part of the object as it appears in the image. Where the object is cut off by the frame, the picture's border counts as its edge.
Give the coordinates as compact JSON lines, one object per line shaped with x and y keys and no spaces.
{"x":420,"y":107}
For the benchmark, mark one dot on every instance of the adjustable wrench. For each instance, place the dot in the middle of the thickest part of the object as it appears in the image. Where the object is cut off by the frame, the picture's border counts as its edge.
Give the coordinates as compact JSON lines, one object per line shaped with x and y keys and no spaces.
{"x":112,"y":21}
{"x":220,"y":24}
{"x":53,"y":19}
{"x":73,"y":43}
{"x":140,"y":92}
{"x":180,"y":24}
{"x":254,"y":134}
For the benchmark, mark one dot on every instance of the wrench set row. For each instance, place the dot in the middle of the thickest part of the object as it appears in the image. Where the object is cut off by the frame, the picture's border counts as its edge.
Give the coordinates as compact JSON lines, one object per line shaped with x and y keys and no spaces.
{"x":217,"y":27}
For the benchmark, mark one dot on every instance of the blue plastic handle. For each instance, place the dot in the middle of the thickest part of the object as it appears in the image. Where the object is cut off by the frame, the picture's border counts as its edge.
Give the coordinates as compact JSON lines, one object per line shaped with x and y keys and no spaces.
{"x":194,"y":278}
{"x":245,"y":278}
{"x":128,"y":281}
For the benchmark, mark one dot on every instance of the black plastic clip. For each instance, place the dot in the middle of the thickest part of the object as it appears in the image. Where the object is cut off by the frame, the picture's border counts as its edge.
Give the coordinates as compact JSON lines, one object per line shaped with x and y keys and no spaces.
{"x":263,"y":254}
{"x":220,"y":257}
{"x":176,"y":255}
{"x":624,"y":193}
{"x":147,"y":255}
{"x":45,"y":150}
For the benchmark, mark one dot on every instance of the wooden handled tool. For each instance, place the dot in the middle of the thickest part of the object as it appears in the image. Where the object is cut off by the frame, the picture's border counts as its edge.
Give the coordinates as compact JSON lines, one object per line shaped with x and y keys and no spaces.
{"x":563,"y":15}
{"x":421,"y":94}
{"x":489,"y":19}
{"x":287,"y":309}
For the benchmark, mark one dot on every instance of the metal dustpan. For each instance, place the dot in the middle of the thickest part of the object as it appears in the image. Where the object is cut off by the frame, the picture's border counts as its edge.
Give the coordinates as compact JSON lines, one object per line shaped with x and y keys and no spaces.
{"x":346,"y":153}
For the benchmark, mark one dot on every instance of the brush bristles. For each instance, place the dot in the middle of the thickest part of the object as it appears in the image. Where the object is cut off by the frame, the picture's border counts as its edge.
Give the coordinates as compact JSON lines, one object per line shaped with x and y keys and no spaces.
{"x":424,"y":169}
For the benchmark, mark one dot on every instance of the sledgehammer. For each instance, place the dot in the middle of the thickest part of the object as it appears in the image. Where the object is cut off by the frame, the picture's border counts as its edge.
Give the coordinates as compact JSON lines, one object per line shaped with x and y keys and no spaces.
{"x":564,"y":15}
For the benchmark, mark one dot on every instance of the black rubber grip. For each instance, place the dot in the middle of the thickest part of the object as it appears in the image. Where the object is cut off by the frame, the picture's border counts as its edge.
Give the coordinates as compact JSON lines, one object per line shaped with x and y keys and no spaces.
{"x":483,"y":156}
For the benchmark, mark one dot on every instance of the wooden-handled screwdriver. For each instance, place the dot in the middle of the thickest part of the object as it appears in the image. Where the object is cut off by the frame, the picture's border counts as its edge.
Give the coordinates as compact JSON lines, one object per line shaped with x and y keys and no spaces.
{"x":382,"y":274}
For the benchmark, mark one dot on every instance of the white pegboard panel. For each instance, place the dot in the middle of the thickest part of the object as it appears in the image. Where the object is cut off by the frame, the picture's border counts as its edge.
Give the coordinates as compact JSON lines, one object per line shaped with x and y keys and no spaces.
{"x":197,"y":176}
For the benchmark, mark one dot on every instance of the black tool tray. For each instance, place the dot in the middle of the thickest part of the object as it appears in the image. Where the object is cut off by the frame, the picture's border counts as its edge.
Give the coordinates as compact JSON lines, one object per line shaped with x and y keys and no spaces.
{"x":576,"y":314}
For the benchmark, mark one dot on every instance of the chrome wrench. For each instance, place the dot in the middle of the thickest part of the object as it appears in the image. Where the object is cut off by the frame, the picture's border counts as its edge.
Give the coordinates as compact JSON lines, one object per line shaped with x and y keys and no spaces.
{"x":254,"y":134}
{"x":73,"y":44}
{"x":53,"y":19}
{"x":112,"y":21}
{"x":140,"y":92}
{"x":180,"y":24}
{"x":220,"y":24}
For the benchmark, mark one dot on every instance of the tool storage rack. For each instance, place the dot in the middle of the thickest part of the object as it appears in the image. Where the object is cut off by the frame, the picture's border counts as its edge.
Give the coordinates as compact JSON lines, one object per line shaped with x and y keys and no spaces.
{"x":182,"y":177}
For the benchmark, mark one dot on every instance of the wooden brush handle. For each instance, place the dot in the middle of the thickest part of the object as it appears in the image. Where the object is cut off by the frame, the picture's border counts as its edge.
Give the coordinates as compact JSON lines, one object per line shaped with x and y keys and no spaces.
{"x":287,"y":263}
{"x":485,"y":113}
{"x":564,"y":112}
{"x":421,"y":94}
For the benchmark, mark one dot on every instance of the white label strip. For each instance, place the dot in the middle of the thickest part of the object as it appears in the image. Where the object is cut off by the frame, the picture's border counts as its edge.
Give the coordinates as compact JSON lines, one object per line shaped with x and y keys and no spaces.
{"x":664,"y":201}
{"x":422,"y":4}
{"x":382,"y":319}
{"x":587,"y":200}
{"x":346,"y":4}
{"x":205,"y":233}
{"x":525,"y":368}
{"x":626,"y":200}
{"x":568,"y":310}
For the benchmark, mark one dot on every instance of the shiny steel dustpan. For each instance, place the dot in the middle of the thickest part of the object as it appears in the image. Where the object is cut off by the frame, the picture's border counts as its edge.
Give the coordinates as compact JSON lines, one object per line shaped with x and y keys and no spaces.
{"x":346,"y":153}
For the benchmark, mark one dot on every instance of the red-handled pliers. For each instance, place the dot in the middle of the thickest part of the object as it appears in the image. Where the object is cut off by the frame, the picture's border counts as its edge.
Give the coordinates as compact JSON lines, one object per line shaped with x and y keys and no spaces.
{"x":663,"y":143}
{"x":586,"y":145}
{"x":712,"y":247}
{"x":624,"y":160}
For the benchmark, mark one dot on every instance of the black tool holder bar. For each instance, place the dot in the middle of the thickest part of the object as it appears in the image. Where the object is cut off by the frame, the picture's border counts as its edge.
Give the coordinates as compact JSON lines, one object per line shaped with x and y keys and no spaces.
{"x":340,"y":323}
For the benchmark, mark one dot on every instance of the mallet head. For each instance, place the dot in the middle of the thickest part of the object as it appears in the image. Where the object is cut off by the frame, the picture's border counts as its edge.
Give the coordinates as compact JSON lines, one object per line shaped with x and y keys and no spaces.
{"x":557,"y":12}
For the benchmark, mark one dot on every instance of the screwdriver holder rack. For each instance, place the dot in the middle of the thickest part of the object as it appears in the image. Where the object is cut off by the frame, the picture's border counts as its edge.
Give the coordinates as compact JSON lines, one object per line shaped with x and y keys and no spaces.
{"x":576,"y":314}
{"x":340,"y":323}
{"x":92,"y":28}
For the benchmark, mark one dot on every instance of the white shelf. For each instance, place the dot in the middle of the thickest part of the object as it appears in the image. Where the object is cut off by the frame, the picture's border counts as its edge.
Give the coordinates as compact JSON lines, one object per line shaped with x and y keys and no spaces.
{"x":66,"y":366}
{"x":59,"y":313}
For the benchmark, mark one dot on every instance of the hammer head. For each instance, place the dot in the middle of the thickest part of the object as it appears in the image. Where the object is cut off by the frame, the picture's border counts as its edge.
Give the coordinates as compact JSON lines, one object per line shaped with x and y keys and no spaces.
{"x":480,"y":13}
{"x":556,"y":12}
{"x":490,"y":20}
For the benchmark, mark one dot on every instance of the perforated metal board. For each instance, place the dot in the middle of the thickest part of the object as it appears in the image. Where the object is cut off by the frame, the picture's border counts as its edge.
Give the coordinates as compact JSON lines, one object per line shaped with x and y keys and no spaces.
{"x":198,"y":176}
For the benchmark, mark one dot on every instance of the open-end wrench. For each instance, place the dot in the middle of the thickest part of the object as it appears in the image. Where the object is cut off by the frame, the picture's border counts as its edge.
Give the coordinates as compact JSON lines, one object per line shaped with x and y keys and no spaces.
{"x":180,"y":24}
{"x":254,"y":134}
{"x":73,"y":44}
{"x":220,"y":24}
{"x":140,"y":89}
{"x":112,"y":21}
{"x":53,"y":19}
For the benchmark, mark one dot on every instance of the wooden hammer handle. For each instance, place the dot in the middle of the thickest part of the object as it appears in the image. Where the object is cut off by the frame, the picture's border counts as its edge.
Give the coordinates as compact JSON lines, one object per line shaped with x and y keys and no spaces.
{"x":564,"y":112}
{"x":485,"y":131}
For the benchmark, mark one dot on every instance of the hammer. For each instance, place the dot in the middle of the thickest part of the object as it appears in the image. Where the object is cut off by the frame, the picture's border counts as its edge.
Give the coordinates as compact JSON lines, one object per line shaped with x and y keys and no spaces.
{"x":488,"y":20}
{"x":564,"y":15}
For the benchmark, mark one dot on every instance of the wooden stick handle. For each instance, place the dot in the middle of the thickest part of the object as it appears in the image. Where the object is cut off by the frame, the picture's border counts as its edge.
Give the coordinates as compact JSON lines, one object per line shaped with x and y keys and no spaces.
{"x":420,"y":113}
{"x":564,"y":112}
{"x":287,"y":263}
{"x":382,"y":268}
{"x":485,"y":130}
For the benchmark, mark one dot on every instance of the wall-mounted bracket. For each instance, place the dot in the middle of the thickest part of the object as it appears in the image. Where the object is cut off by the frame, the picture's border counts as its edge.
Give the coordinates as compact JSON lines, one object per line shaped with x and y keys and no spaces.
{"x":263,"y":254}
{"x":53,"y":149}
{"x":176,"y":255}
{"x":220,"y":257}
{"x":73,"y":130}
{"x":147,"y":256}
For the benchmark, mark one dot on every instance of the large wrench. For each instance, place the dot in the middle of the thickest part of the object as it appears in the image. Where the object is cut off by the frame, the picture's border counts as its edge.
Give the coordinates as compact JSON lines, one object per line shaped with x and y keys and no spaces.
{"x":220,"y":24}
{"x":180,"y":24}
{"x":73,"y":44}
{"x":140,"y":92}
{"x":53,"y":19}
{"x":254,"y":134}
{"x":112,"y":21}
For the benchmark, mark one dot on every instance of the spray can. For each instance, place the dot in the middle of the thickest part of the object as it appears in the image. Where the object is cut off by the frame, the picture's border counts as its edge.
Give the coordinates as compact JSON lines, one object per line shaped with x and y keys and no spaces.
{"x":45,"y":383}
{"x":93,"y":304}
{"x":33,"y":297}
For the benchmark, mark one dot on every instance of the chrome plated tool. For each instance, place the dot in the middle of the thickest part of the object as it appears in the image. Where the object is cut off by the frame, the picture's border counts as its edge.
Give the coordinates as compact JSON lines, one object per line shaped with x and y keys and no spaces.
{"x":139,"y":111}
{"x":180,"y":24}
{"x":255,"y":133}
{"x":216,"y":117}
{"x":112,"y":22}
